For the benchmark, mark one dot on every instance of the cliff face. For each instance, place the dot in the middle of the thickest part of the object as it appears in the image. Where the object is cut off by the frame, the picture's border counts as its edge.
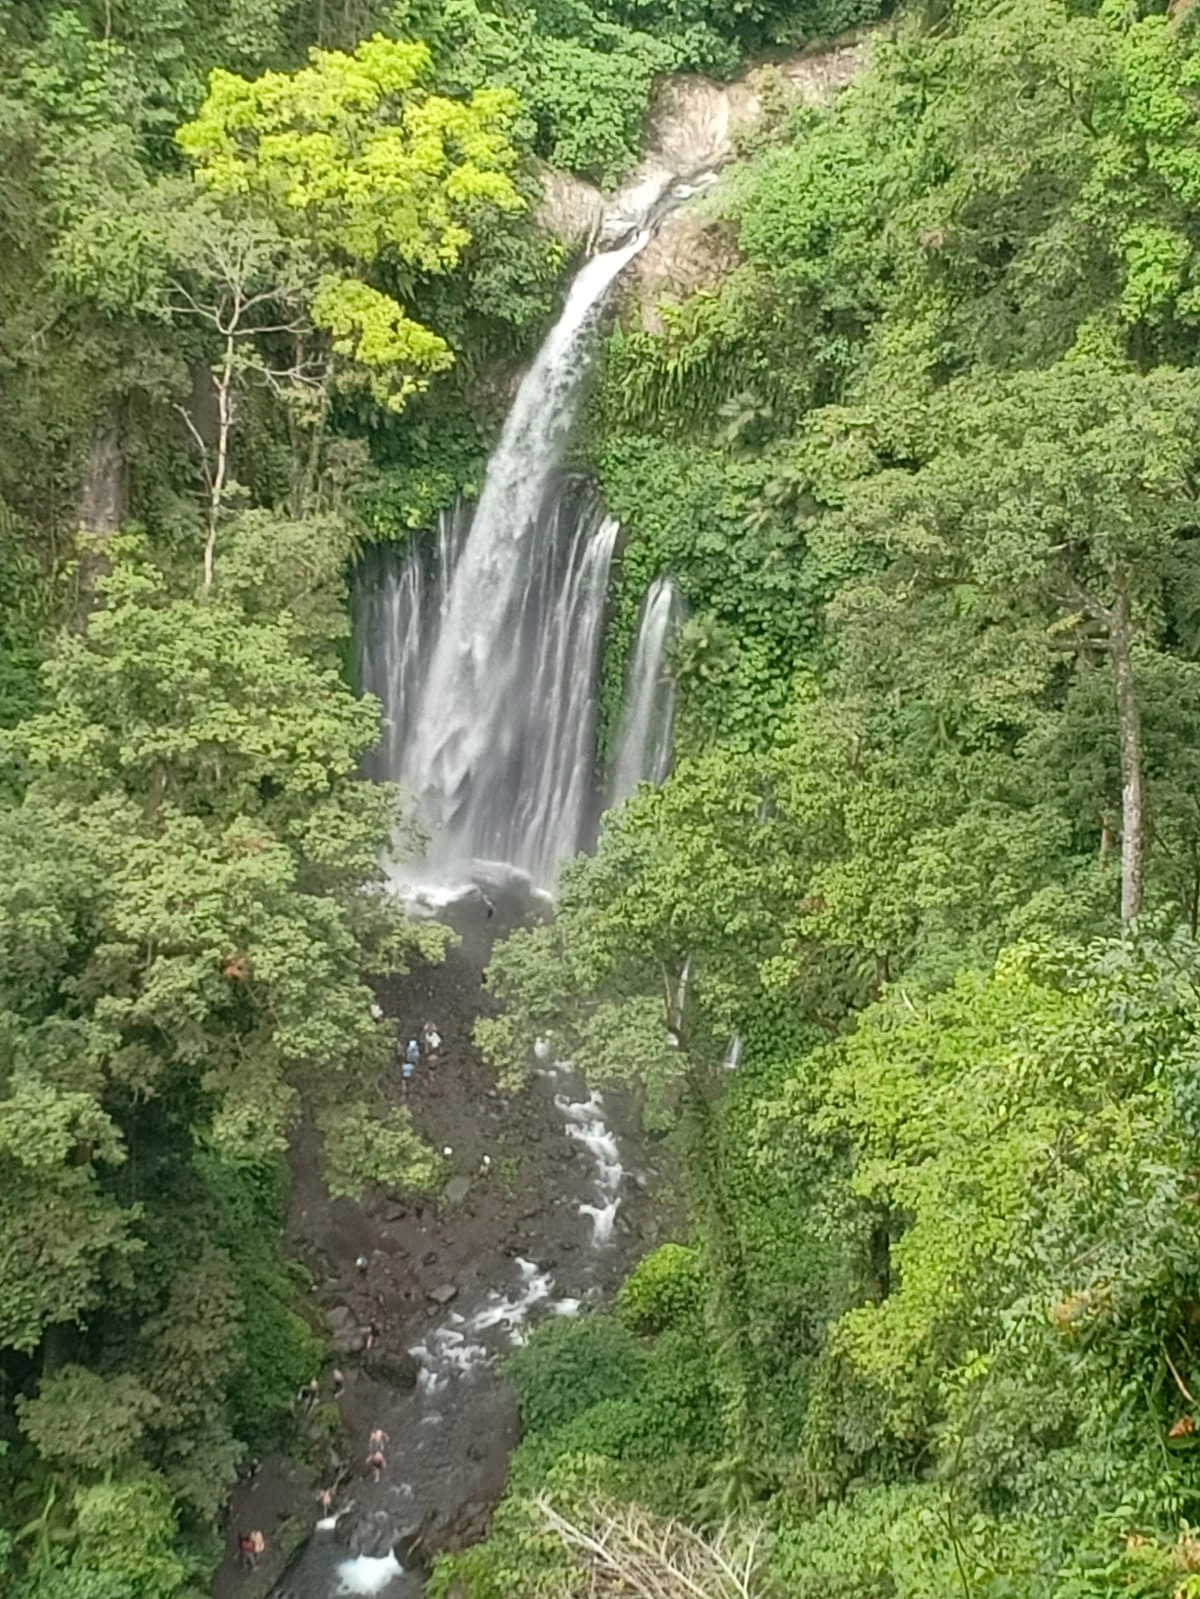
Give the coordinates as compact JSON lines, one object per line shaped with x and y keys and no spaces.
{"x":693,"y":129}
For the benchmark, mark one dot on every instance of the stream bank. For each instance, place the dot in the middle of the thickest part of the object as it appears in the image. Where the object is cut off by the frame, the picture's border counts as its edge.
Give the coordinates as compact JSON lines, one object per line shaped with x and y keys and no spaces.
{"x":539,"y":1217}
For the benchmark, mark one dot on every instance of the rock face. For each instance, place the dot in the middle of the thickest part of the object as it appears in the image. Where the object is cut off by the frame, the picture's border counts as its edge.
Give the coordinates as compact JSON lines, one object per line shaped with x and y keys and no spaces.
{"x":396,"y":1368}
{"x":367,"y":1532}
{"x":694,"y":126}
{"x":691,"y":251}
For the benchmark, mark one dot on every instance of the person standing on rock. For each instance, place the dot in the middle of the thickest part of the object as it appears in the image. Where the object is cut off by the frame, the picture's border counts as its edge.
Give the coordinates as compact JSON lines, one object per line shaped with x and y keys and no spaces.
{"x":376,"y":1463}
{"x":377,"y":1439}
{"x":433,"y":1040}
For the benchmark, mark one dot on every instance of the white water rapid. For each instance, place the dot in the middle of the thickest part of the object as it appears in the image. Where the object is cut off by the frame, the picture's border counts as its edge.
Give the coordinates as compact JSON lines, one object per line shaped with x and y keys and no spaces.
{"x":647,"y":719}
{"x":585,"y":1124}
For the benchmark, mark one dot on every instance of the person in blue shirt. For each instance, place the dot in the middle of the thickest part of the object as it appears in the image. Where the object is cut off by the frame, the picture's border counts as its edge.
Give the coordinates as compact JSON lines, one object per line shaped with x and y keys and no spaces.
{"x":411,"y":1056}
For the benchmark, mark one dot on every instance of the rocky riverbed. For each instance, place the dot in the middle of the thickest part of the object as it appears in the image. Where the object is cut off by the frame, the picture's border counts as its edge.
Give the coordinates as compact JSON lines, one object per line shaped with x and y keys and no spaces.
{"x":547,"y":1207}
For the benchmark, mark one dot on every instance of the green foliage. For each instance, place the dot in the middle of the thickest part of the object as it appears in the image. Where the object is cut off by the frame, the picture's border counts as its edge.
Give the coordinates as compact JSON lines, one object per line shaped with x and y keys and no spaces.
{"x":666,"y":1290}
{"x":278,"y":1349}
{"x":363,"y":1150}
{"x":570,"y":1365}
{"x":22,"y":607}
{"x":924,"y":466}
{"x":584,"y":78}
{"x":184,"y":932}
{"x":81,"y":1419}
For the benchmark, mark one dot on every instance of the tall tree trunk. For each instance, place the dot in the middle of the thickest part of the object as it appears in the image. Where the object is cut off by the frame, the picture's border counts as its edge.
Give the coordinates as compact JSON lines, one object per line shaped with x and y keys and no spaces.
{"x":216,"y":488}
{"x":1129,"y":727}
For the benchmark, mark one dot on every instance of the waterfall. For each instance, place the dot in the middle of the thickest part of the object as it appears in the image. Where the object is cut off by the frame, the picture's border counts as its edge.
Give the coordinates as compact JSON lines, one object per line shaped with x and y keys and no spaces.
{"x":486,"y":657}
{"x":648,"y":712}
{"x":399,"y":611}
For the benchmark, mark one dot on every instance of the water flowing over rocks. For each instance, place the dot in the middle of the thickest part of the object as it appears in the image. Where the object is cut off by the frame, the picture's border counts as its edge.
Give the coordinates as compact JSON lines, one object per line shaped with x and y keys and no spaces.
{"x":449,"y":1289}
{"x":693,"y":128}
{"x":644,"y":737}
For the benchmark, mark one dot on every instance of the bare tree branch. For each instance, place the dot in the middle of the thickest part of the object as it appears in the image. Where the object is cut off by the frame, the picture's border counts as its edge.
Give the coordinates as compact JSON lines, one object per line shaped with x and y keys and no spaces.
{"x":629,"y":1554}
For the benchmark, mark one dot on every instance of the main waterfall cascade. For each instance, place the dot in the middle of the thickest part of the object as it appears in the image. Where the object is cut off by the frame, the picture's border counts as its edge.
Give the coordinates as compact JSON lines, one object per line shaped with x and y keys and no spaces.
{"x":486,"y":652}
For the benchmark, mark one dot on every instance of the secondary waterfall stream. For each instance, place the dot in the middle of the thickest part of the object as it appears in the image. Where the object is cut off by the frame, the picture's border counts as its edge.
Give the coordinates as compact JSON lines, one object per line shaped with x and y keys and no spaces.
{"x":648,"y":716}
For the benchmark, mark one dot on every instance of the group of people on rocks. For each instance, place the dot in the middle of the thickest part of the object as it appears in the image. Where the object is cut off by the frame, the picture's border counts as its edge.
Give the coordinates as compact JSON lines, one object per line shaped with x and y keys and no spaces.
{"x":250,"y":1546}
{"x":410,"y":1053}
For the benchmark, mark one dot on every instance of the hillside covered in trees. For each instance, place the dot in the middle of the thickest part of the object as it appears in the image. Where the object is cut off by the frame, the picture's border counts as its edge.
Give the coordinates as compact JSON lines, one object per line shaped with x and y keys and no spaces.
{"x":923,"y":461}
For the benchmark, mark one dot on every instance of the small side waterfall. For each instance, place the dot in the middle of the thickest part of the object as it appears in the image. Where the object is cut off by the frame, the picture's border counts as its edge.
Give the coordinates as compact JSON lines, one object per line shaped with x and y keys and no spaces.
{"x":648,"y":714}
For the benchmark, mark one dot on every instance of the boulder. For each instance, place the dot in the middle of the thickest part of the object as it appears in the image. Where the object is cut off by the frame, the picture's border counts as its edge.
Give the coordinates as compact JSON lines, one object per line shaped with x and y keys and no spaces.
{"x":457,"y":1190}
{"x":396,"y":1368}
{"x":345,"y":1335}
{"x":367,"y":1532}
{"x":443,"y":1294}
{"x":350,"y":1341}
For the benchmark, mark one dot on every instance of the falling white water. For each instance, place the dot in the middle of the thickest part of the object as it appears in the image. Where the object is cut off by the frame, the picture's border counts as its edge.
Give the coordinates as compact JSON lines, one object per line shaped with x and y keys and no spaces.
{"x":487,"y":658}
{"x":648,"y":716}
{"x":401,"y":610}
{"x":363,"y":1574}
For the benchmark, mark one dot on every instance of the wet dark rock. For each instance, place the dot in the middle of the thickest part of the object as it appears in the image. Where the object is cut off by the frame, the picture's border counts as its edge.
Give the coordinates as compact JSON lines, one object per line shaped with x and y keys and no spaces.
{"x":443,"y":1294}
{"x":367,"y":1532}
{"x":430,"y":1258}
{"x":397,"y":1368}
{"x":446,"y":1534}
{"x":407,"y":1547}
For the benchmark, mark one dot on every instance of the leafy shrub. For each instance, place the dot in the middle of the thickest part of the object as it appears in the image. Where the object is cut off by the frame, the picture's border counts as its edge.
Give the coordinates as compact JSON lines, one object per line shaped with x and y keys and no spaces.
{"x":361,"y":1150}
{"x":664,"y":1290}
{"x":568,"y":1366}
{"x":279,"y":1349}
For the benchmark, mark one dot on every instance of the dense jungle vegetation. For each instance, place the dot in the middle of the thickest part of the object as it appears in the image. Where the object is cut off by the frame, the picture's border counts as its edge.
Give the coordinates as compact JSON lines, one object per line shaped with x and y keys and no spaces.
{"x":925,"y":467}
